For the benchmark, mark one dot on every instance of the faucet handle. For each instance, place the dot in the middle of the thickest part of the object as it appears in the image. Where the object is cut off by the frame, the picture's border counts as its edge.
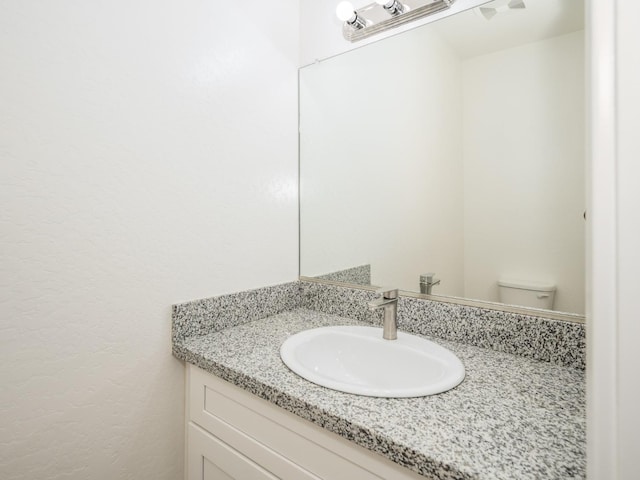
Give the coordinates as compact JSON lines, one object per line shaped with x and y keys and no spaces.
{"x":387,"y":292}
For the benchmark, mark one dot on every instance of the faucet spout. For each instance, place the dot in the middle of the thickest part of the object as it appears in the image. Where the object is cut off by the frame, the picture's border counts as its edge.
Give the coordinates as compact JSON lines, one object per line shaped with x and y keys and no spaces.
{"x":381,"y":302}
{"x":388,"y":300}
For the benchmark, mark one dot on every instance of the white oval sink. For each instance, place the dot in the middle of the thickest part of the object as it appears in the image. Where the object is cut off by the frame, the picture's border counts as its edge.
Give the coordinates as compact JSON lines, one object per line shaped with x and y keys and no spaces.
{"x":358,"y":360}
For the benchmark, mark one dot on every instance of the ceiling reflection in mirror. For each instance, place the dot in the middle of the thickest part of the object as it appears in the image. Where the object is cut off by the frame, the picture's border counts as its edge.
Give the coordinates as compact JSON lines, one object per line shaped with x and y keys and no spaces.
{"x":455,"y":149}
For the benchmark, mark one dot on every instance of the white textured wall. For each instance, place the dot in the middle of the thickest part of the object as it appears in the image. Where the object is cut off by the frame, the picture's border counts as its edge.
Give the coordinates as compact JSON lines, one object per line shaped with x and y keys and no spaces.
{"x":382,"y":161}
{"x":148,"y":156}
{"x":524,"y":161}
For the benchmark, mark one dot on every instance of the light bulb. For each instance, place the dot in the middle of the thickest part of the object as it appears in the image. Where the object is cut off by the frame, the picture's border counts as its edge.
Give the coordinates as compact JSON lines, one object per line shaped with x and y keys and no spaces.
{"x":345,"y":11}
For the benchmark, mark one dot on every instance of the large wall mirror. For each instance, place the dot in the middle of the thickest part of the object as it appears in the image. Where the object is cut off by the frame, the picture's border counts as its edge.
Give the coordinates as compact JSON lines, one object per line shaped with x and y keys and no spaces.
{"x":456,"y":148}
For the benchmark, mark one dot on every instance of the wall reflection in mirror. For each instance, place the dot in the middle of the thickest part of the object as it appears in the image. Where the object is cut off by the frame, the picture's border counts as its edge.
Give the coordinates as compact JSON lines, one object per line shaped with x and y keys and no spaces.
{"x":454,"y":150}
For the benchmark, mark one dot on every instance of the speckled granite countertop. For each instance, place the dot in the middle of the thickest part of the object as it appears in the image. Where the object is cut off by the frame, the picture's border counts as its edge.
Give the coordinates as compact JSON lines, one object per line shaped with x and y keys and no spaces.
{"x":511,"y":418}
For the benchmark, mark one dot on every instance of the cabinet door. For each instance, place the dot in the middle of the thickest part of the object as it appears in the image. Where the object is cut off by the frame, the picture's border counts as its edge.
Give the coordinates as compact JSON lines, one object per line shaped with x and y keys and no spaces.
{"x":212,"y":472}
{"x":211,"y":459}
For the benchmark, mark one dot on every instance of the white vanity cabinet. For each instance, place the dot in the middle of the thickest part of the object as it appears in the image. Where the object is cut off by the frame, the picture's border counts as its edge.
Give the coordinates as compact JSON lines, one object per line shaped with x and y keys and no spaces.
{"x":232,"y":434}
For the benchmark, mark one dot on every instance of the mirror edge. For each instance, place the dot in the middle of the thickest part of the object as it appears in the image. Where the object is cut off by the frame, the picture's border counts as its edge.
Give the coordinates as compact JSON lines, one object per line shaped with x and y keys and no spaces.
{"x":501,"y":307}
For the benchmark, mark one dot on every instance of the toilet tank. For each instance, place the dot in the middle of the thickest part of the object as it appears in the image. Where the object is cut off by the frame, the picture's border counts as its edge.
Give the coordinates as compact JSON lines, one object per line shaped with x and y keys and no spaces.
{"x":526,"y":294}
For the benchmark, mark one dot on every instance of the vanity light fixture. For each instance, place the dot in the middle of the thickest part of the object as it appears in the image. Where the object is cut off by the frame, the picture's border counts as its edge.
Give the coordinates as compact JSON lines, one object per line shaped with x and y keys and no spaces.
{"x":371,"y":19}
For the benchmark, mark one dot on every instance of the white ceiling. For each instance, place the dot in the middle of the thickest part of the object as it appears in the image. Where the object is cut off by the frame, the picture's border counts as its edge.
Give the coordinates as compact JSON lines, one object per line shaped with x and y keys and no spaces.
{"x":471,"y":34}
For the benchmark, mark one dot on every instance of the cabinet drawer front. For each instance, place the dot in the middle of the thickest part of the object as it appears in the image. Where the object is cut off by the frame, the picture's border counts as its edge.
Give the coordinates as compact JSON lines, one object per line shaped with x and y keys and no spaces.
{"x":222,"y":408}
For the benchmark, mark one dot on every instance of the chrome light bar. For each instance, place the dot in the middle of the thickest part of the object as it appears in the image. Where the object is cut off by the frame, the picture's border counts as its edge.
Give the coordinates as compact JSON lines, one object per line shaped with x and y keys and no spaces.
{"x":375,"y":18}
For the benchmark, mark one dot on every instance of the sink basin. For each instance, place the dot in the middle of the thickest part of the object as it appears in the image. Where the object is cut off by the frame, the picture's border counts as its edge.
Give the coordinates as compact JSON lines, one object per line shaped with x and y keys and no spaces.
{"x":358,"y":360}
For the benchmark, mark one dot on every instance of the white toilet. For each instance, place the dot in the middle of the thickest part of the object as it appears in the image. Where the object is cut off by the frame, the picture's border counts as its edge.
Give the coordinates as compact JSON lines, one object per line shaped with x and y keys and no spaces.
{"x":526,"y":294}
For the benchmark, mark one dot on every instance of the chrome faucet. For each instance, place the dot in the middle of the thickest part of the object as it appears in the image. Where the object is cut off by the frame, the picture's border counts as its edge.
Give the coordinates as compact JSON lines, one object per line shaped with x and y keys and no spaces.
{"x":389,"y":301}
{"x":427,"y":281}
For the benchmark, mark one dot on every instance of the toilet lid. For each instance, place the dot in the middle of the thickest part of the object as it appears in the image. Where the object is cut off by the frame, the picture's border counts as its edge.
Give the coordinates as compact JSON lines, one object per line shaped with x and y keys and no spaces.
{"x":526,"y":285}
